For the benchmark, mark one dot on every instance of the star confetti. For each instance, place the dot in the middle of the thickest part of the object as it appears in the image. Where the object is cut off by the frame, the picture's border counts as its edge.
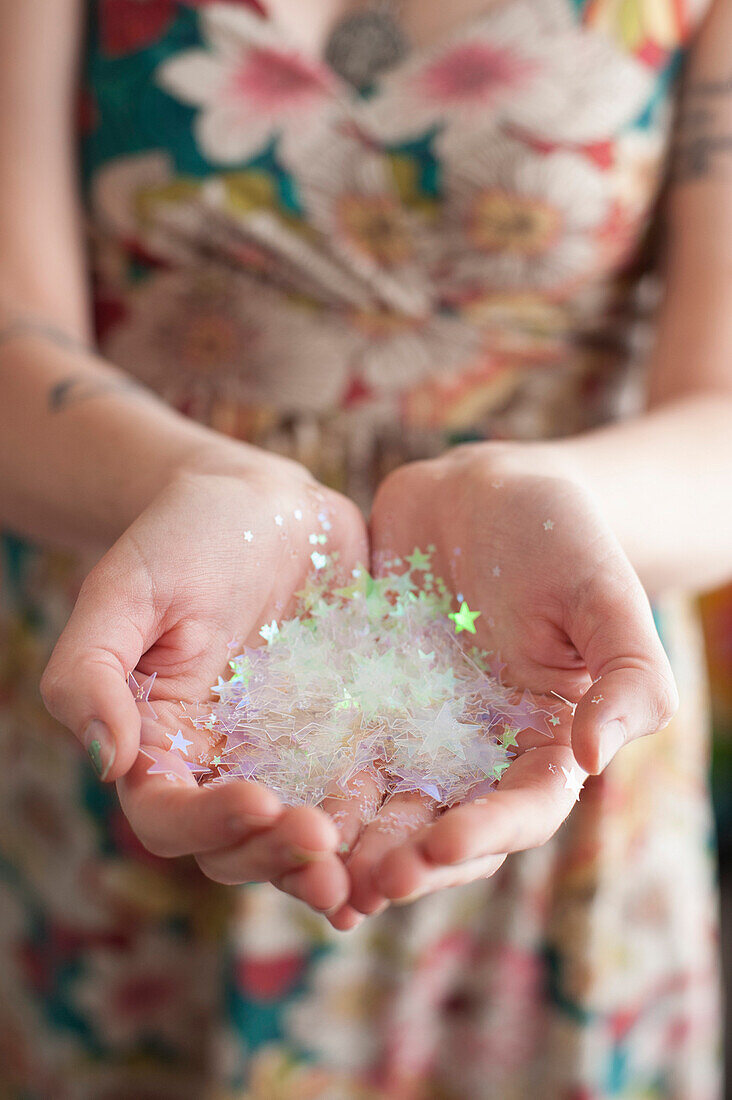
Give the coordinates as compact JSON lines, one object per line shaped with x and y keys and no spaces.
{"x":464,"y":619}
{"x":572,"y":782}
{"x":178,"y":741}
{"x":368,"y":681}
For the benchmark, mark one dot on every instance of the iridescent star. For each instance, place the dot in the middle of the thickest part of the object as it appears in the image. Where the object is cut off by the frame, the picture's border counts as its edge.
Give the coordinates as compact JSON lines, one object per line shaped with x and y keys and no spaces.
{"x":509,"y":737}
{"x":178,"y":741}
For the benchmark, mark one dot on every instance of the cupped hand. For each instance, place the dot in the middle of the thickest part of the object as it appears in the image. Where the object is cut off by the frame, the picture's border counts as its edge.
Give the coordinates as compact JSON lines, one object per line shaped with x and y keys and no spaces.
{"x":219,"y":553}
{"x":561,"y":604}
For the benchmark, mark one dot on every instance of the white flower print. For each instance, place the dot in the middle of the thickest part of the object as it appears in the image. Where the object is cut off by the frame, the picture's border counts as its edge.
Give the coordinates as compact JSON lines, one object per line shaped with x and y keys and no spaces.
{"x":528,"y":65}
{"x":521,"y":220}
{"x":210,"y":332}
{"x":249,"y":84}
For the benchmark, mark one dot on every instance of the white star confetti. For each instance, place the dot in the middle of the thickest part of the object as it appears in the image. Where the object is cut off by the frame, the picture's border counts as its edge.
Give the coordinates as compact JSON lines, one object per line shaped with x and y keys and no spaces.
{"x":178,"y":741}
{"x":268,"y":632}
{"x":372,"y":672}
{"x":572,"y":782}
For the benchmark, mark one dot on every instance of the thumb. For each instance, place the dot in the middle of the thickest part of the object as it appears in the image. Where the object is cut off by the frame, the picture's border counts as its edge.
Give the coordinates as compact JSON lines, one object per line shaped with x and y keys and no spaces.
{"x":633,"y":691}
{"x":85,"y":683}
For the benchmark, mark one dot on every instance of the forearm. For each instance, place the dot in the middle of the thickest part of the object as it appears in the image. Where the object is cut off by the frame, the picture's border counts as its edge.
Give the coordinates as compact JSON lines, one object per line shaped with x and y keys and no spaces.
{"x":82,"y":448}
{"x":662,"y":481}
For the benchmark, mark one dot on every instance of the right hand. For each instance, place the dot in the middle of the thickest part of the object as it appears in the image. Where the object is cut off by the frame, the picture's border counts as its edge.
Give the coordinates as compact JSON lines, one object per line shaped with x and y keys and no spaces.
{"x":179,"y":585}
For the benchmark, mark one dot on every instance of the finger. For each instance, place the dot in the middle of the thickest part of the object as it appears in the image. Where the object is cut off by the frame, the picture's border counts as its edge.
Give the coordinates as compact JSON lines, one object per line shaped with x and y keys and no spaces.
{"x":354,"y":806}
{"x":404,"y":874}
{"x":180,"y":818}
{"x":400,"y":816}
{"x":634,"y":692}
{"x":534,"y":797}
{"x":346,"y":918}
{"x":300,"y":837}
{"x":85,"y":683}
{"x":323,"y":885}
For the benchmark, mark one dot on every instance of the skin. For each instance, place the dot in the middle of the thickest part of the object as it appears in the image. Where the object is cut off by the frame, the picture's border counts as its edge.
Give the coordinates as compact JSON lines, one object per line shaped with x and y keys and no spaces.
{"x":632,"y":510}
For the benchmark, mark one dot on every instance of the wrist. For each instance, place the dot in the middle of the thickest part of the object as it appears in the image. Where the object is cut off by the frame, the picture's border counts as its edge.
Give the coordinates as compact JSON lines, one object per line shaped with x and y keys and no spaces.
{"x":556,"y":459}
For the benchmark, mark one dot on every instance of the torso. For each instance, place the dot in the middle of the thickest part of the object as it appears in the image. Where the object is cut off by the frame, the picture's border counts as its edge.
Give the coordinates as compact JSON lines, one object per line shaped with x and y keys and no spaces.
{"x":359,"y":279}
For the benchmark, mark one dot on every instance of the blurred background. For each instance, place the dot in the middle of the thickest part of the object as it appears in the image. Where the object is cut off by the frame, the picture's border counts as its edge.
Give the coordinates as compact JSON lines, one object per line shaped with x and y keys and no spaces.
{"x":717,"y":618}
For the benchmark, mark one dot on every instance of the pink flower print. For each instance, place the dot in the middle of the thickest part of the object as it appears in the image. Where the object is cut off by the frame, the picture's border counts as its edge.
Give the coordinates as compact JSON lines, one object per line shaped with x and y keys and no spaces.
{"x":528,"y":65}
{"x":277,"y":81}
{"x":268,"y":977}
{"x":250,"y":85}
{"x":475,"y":72}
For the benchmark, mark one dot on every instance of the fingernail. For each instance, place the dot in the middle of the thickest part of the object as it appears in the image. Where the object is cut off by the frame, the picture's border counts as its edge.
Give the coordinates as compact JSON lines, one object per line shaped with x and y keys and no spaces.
{"x":242,"y":823}
{"x":100,"y":746}
{"x":307,"y":855}
{"x":612,"y":737}
{"x":408,"y":898}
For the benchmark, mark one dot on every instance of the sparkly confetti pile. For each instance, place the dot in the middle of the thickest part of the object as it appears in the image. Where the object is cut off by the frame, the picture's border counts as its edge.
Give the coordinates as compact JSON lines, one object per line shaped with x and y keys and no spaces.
{"x":370,"y":678}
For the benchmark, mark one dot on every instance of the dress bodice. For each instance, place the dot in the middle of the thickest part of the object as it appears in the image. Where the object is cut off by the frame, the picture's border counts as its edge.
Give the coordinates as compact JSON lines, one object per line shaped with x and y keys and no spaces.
{"x":363,"y":277}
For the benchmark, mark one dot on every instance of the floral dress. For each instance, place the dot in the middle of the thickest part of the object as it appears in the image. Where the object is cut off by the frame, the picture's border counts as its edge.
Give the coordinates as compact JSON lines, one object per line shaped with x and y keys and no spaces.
{"x":458,"y":252}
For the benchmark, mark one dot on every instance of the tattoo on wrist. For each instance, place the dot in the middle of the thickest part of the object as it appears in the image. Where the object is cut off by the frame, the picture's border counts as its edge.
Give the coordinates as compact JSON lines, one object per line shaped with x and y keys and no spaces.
{"x":28,"y":326}
{"x":702,"y":146}
{"x":79,"y":387}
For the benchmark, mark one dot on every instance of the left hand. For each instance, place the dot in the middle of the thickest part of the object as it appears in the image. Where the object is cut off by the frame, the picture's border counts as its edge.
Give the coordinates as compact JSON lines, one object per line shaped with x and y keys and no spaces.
{"x":562,"y":606}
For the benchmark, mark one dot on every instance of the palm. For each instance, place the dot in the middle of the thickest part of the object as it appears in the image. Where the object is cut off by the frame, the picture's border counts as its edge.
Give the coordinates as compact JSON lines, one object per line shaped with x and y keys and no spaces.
{"x":560,"y":604}
{"x":199,"y":572}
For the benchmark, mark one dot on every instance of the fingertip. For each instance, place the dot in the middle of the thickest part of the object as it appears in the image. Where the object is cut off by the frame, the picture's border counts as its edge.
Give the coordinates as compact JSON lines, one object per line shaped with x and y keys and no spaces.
{"x":345,"y":919}
{"x":444,"y":843}
{"x":365,"y":896}
{"x":322,"y":886}
{"x":112,"y":737}
{"x":309,"y":829}
{"x":586,"y":750}
{"x":401,"y":873}
{"x":254,"y":799}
